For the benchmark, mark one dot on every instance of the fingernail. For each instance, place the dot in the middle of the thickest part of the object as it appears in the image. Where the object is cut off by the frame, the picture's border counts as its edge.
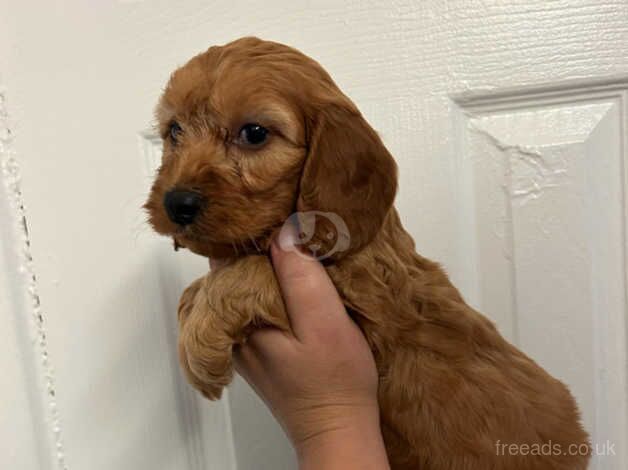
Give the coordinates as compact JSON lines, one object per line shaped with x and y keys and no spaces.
{"x":287,"y":238}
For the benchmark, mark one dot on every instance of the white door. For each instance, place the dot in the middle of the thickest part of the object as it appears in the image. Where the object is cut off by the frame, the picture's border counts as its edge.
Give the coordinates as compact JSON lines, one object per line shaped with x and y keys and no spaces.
{"x":509,"y":124}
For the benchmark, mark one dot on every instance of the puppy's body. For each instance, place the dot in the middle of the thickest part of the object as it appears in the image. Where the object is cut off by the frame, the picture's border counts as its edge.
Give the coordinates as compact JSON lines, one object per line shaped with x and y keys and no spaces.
{"x":452,"y":389}
{"x":453,"y":392}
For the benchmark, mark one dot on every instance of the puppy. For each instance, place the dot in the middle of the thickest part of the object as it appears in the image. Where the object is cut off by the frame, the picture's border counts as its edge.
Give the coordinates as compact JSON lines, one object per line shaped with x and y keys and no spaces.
{"x":254,"y":131}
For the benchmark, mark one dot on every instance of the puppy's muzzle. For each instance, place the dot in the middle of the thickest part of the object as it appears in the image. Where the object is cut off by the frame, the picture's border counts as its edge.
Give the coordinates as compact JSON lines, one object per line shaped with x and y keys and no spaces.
{"x":182,"y":207}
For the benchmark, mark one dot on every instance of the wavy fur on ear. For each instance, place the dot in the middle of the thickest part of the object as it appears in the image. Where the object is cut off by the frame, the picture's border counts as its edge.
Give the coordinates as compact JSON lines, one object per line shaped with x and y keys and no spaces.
{"x":348,"y":172}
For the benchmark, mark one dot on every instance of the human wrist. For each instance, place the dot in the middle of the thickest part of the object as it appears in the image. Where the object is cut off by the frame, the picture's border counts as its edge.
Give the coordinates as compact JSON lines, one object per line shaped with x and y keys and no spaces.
{"x":347,"y":443}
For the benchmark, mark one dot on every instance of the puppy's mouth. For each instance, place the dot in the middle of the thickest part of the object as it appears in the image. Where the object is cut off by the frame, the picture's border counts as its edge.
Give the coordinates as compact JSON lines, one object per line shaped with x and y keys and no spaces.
{"x":186,"y":237}
{"x":183,"y":236}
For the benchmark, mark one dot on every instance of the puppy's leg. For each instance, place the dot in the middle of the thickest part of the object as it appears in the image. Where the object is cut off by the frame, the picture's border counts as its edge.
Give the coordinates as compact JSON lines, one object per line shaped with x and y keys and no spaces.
{"x":186,"y":303}
{"x":218,"y":311}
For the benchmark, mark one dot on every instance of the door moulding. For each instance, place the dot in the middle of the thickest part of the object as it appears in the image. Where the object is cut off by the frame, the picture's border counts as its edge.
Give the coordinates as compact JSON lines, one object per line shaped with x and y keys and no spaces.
{"x":11,"y":179}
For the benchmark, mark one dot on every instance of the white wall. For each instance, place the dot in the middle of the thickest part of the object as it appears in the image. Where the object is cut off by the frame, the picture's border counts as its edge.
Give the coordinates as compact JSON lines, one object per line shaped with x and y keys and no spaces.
{"x":455,"y":89}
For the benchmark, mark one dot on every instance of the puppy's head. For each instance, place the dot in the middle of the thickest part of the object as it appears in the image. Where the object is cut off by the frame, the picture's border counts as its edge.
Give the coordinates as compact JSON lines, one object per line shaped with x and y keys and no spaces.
{"x":254,"y":131}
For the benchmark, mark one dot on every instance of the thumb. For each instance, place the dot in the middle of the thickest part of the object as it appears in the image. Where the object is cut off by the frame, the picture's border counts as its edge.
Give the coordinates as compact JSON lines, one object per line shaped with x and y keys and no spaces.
{"x":309,"y":295}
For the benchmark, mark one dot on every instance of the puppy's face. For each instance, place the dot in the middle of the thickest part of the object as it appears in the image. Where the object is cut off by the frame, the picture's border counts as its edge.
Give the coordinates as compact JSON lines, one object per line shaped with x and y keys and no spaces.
{"x":238,"y":124}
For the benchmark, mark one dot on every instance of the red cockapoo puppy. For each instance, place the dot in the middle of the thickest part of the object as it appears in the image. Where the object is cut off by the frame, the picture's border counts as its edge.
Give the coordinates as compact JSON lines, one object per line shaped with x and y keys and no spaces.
{"x":254,"y":131}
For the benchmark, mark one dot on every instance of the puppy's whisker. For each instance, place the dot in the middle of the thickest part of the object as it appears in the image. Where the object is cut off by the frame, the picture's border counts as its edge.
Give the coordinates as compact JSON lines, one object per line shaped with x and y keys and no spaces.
{"x":257,"y":248}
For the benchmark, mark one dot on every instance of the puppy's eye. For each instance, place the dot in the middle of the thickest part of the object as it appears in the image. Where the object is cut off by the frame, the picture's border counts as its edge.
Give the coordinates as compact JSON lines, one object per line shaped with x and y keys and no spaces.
{"x":174,"y":131}
{"x":253,"y":134}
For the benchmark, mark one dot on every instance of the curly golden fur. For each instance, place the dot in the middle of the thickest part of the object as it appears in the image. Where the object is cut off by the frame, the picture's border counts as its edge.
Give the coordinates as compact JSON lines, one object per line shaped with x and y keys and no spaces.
{"x":451,"y":388}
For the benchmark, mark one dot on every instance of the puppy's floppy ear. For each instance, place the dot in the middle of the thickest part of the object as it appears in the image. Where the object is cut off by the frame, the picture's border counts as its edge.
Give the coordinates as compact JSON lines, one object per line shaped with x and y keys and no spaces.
{"x":348,"y":173}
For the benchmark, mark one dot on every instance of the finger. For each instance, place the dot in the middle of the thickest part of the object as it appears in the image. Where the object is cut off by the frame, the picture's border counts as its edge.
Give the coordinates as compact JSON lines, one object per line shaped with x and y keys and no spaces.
{"x":255,"y":371}
{"x":270,"y":343}
{"x":249,"y":366}
{"x":309,"y":295}
{"x":246,"y":361}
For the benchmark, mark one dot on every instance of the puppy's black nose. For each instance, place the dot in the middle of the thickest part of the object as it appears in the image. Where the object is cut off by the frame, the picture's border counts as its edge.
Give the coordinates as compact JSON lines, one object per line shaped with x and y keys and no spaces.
{"x":182,"y":206}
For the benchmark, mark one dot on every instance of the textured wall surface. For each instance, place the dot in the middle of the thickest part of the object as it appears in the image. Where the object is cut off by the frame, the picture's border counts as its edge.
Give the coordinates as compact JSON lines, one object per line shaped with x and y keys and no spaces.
{"x":508,"y":122}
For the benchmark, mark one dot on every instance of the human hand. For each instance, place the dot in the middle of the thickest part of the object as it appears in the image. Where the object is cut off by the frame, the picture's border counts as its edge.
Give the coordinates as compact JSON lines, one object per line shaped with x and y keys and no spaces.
{"x":320,"y":381}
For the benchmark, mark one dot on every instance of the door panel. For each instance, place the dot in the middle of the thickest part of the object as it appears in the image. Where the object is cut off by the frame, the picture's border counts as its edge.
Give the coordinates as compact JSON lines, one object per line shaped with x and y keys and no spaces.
{"x":542,"y":201}
{"x":508,"y":123}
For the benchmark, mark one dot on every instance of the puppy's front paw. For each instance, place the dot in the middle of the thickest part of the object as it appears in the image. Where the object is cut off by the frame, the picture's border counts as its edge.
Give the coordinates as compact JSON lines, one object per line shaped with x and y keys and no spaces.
{"x":208,"y":370}
{"x":218,"y":311}
{"x":205,"y":353}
